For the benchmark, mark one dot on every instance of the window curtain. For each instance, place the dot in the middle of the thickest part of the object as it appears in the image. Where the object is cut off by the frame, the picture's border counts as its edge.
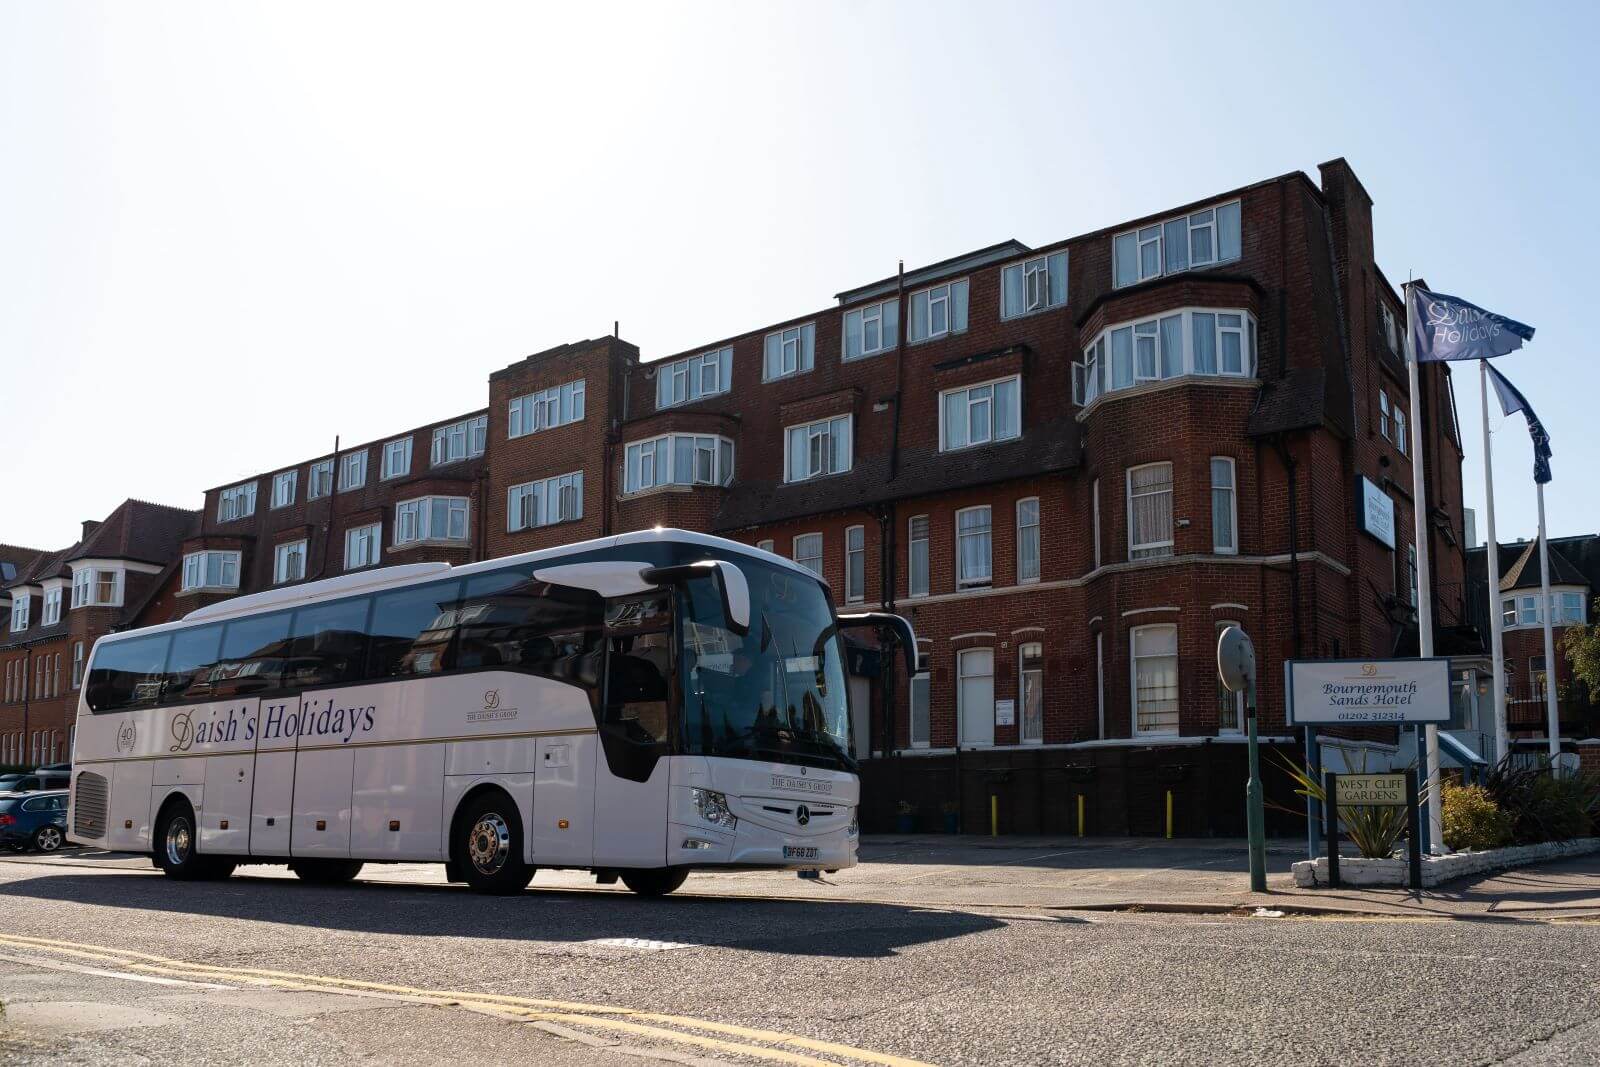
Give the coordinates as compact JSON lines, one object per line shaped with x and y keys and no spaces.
{"x":973,"y":529}
{"x":1151,"y":492}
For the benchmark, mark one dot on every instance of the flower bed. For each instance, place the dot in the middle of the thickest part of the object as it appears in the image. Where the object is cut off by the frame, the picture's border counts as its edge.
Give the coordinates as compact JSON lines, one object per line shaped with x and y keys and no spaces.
{"x":1353,"y":871}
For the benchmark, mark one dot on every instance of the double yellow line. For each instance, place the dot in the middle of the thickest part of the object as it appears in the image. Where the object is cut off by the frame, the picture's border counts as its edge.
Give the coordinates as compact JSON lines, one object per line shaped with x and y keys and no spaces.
{"x":770,"y":1045}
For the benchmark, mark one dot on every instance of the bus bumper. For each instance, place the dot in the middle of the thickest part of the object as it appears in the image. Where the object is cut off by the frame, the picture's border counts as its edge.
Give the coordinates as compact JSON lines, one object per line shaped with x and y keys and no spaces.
{"x":750,"y":845}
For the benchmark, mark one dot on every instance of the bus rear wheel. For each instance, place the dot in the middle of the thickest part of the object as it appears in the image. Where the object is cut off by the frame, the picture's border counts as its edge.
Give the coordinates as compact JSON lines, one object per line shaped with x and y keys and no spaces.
{"x":326,"y":872}
{"x":657,"y":882}
{"x":488,"y":845}
{"x":177,"y":847}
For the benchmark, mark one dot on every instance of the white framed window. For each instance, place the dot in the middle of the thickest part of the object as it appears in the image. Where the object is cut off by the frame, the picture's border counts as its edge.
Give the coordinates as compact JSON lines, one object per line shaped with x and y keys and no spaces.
{"x":1178,"y":244}
{"x":765,"y":544}
{"x":808,"y":552}
{"x":545,"y":502}
{"x":1528,"y":611}
{"x":1508,"y":611}
{"x":363,"y":545}
{"x":937,"y":311}
{"x":1391,"y":329}
{"x":815,"y":449}
{"x":1028,"y":540}
{"x":917,"y":556}
{"x":1094,"y":517}
{"x":871,"y":329}
{"x":1213,"y":342}
{"x":980,"y":414}
{"x":1150,"y":511}
{"x":1033,"y":285}
{"x":1155,"y":678}
{"x":1401,"y":438}
{"x":237,"y":502}
{"x":77,"y":664}
{"x":289,"y":562}
{"x":546,"y":409}
{"x":1572,"y":608}
{"x":20,"y":607}
{"x":855,"y":563}
{"x":683,"y":381}
{"x":1224,"y":507}
{"x":974,"y":547}
{"x":458,"y":441}
{"x":284,"y":484}
{"x":352,"y":470}
{"x":789,"y":352}
{"x":1030,"y":692}
{"x":1383,"y":414}
{"x":397,"y":458}
{"x":319,"y":479}
{"x":52,"y":607}
{"x":96,"y":587}
{"x":82,"y":587}
{"x":975,"y":696}
{"x":677,"y":459}
{"x":430,"y":518}
{"x":921,"y":709}
{"x":211,"y":570}
{"x":1230,"y":706}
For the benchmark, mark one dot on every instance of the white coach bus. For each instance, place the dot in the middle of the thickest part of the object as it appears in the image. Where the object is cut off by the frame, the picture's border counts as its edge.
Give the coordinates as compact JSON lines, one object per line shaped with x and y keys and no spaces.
{"x":637,"y":706}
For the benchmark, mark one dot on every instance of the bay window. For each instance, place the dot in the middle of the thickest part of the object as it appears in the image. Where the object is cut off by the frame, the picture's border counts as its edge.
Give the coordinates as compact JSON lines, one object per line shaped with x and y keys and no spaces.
{"x":52,"y":607}
{"x":430,"y":518}
{"x":1150,"y":511}
{"x":816,"y":449}
{"x":980,"y":414}
{"x":871,"y":329}
{"x":677,"y":459}
{"x":558,"y":405}
{"x":1188,"y":341}
{"x":974,"y":547}
{"x":684,"y":381}
{"x":1033,"y":285}
{"x":20,"y":606}
{"x":1200,"y":239}
{"x":210,"y":570}
{"x":937,"y":311}
{"x":1155,"y":679}
{"x":545,"y":502}
{"x":789,"y":352}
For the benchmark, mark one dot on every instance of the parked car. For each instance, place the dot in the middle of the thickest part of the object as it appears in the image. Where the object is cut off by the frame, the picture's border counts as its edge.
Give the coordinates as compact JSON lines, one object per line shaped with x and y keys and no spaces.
{"x":34,"y":781}
{"x":34,"y":820}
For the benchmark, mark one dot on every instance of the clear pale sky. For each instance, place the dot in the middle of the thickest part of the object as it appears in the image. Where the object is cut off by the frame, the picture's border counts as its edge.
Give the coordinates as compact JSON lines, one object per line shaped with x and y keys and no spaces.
{"x":229,"y":232}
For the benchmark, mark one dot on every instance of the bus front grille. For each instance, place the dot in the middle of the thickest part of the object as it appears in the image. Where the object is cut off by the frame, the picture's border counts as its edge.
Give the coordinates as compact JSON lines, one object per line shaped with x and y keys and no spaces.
{"x":89,"y":806}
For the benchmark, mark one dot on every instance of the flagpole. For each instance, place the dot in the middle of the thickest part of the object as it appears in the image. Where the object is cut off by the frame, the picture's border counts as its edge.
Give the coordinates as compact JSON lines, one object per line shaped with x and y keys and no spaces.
{"x":1552,"y":716}
{"x":1419,"y":511}
{"x":1492,"y":554}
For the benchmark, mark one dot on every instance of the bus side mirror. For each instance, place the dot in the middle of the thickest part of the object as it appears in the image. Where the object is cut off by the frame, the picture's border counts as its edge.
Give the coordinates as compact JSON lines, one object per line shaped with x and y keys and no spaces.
{"x":898,"y":625}
{"x":732,"y":589}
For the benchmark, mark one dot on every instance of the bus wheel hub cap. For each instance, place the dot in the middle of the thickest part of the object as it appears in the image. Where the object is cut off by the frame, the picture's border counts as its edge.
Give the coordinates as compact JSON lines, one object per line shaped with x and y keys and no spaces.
{"x":178,"y":842}
{"x":490,"y":844}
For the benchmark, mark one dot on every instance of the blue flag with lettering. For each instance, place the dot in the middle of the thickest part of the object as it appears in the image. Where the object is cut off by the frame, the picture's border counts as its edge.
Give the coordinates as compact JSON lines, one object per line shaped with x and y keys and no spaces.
{"x":1511,"y":400}
{"x":1448,"y":327}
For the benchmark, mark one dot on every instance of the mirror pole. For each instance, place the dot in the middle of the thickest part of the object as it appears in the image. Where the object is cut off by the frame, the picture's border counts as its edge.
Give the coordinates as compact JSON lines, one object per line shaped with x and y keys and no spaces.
{"x":1255,"y":815}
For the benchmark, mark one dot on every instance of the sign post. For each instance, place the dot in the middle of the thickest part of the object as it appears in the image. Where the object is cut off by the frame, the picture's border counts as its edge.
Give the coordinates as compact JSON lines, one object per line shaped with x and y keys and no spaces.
{"x":1236,"y":667}
{"x":1372,"y":790}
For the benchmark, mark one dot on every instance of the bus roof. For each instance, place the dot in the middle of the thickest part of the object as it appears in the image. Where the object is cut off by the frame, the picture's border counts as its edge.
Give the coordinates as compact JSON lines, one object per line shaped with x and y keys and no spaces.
{"x":383,"y":578}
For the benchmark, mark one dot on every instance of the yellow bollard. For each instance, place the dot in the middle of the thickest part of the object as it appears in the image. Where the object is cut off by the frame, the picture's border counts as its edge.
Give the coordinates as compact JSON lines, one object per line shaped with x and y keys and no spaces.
{"x":1080,"y":814}
{"x":1169,"y":815}
{"x":994,"y":816}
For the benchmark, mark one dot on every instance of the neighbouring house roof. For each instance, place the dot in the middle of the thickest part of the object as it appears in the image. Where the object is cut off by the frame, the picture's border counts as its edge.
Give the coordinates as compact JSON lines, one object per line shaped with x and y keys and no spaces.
{"x":141,"y":531}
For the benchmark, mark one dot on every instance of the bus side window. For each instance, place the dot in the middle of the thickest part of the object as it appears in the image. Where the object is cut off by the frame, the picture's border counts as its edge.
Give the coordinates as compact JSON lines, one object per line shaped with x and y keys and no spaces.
{"x":412,"y":630}
{"x":328,"y":643}
{"x":253,"y":651}
{"x":191,"y":662}
{"x":127,"y":674}
{"x":509,"y":619}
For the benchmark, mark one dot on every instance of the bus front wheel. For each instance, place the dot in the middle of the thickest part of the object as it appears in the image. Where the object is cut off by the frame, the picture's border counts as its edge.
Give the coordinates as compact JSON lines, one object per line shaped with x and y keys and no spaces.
{"x":177,"y":847}
{"x":657,"y":882}
{"x":488,"y":845}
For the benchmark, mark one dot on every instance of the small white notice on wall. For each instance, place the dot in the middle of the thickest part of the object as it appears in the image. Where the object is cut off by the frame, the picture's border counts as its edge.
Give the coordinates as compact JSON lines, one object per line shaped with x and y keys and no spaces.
{"x":1005,"y":712}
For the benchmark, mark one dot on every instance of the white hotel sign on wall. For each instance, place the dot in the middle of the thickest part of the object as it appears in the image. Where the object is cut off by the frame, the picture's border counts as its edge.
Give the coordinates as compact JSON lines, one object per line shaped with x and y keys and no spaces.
{"x":1356,"y":691}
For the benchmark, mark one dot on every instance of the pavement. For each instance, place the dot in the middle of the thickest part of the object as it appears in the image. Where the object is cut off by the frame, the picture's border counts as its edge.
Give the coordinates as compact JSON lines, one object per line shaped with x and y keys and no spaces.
{"x":934,"y":950}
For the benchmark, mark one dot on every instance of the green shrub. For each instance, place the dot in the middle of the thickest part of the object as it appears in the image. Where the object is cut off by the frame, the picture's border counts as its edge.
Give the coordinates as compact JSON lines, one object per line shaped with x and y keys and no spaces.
{"x":1545,"y":806}
{"x":1473,"y":820}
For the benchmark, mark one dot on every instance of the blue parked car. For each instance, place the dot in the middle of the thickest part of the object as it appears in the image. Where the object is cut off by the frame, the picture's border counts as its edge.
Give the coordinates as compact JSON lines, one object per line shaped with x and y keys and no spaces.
{"x":34,"y":820}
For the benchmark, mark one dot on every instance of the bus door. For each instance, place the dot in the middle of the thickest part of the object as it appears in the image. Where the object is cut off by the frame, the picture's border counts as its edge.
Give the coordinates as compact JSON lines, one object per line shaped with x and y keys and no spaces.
{"x":630,"y":799}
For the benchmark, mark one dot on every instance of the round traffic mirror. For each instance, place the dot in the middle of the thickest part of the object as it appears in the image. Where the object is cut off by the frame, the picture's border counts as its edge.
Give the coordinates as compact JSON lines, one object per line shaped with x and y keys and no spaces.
{"x":1236,"y":660}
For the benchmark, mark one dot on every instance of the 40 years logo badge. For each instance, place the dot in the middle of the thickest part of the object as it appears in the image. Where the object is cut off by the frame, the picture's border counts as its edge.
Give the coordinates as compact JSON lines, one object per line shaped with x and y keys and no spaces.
{"x":127,"y":737}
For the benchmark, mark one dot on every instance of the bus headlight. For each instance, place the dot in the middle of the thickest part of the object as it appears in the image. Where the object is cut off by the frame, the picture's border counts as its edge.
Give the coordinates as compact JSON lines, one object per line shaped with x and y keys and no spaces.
{"x":713,"y":808}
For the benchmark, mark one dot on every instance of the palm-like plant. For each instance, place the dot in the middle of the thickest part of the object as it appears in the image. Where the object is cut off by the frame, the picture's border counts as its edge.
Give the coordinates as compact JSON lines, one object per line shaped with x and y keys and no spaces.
{"x":1375,"y":829}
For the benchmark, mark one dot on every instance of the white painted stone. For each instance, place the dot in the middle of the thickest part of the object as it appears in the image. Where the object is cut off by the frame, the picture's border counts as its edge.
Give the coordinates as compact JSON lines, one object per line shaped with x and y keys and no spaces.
{"x":1312,"y":874}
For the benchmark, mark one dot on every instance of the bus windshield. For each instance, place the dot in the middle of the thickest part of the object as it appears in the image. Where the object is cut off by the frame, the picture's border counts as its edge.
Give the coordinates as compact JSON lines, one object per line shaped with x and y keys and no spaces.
{"x":776,"y":692}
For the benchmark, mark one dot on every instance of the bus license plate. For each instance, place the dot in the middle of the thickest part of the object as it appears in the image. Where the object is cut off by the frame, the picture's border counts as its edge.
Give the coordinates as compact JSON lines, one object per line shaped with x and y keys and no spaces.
{"x":799,"y":852}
